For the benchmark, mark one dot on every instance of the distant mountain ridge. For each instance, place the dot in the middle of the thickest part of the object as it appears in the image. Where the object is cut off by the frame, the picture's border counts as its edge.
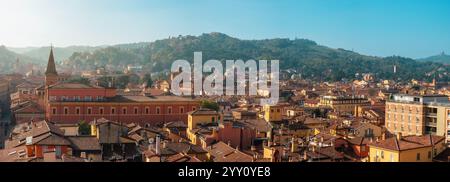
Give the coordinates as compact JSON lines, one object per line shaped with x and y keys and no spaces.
{"x":8,"y":59}
{"x":60,"y":53}
{"x":441,"y":58}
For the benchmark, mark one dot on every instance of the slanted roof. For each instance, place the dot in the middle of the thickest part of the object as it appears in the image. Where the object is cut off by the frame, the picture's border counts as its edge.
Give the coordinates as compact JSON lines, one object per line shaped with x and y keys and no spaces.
{"x":221,"y":152}
{"x":85,"y":143}
{"x":73,"y":86}
{"x":51,"y":67}
{"x":408,"y":142}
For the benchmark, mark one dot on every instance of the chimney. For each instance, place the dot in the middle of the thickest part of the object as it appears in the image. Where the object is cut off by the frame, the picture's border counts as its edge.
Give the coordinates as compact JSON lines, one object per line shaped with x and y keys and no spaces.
{"x":158,"y":145}
{"x":399,"y":136}
{"x":294,"y":145}
{"x":83,"y":155}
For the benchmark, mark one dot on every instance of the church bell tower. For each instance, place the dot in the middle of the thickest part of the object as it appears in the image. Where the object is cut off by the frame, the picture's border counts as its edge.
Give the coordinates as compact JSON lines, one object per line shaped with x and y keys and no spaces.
{"x":51,"y":76}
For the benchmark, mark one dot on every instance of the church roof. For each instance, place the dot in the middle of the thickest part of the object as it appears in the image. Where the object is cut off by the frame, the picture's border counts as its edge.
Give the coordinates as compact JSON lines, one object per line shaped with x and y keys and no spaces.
{"x":51,"y":67}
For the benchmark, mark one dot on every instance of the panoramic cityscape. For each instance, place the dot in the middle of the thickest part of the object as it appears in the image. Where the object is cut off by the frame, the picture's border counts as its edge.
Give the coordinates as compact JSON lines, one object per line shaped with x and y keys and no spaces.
{"x":283,"y":97}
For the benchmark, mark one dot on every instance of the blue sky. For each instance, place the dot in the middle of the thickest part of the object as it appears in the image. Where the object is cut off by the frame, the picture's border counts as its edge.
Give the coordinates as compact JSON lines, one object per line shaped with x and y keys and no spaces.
{"x":412,"y":28}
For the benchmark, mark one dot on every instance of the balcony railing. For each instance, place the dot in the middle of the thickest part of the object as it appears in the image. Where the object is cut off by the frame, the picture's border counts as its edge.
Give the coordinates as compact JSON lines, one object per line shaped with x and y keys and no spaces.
{"x":431,"y":114}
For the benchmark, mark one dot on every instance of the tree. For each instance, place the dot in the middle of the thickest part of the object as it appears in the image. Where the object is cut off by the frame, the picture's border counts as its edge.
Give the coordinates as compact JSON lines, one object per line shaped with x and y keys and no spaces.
{"x":210,"y":105}
{"x":78,"y":79}
{"x":84,"y":128}
{"x":133,"y":78}
{"x":122,"y":81}
{"x":147,"y":79}
{"x":104,"y":81}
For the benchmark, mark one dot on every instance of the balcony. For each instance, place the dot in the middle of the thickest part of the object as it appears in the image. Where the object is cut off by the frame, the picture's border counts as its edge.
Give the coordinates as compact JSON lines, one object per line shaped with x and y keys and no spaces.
{"x":434,"y":115}
{"x":431,"y":124}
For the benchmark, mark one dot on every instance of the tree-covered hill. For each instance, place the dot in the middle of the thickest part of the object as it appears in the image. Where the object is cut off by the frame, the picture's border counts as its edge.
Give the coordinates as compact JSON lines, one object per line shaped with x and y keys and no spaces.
{"x":306,"y":56}
{"x":441,"y":58}
{"x":8,"y":59}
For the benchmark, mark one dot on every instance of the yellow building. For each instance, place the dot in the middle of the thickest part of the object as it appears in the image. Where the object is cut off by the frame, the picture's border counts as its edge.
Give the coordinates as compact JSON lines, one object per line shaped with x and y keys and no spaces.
{"x":200,"y":117}
{"x":343,"y":104}
{"x":407,"y":149}
{"x":272,"y":113}
{"x":418,"y":114}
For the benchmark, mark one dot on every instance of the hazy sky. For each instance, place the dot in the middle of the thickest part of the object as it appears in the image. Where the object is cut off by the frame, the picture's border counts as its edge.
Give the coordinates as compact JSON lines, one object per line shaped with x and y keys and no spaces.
{"x":412,"y":28}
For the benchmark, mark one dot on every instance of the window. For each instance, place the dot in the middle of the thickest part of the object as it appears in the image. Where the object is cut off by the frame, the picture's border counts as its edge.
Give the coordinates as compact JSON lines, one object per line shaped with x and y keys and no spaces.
{"x":66,"y":111}
{"x":147,"y":110}
{"x":113,"y":110}
{"x":158,"y":110}
{"x":89,"y":111}
{"x":124,"y":110}
{"x":52,"y":98}
{"x":54,"y":110}
{"x":272,"y":110}
{"x":193,"y":108}
{"x":77,"y":110}
{"x":101,"y":110}
{"x":181,"y":110}
{"x":429,"y":154}
{"x":136,"y":110}
{"x":87,"y":98}
{"x":418,"y":157}
{"x":213,"y":119}
{"x":78,"y":98}
{"x":169,"y":110}
{"x":278,"y":110}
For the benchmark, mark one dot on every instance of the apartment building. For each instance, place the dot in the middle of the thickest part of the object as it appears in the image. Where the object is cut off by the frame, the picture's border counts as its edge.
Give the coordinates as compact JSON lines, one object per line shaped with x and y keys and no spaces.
{"x":418,"y":115}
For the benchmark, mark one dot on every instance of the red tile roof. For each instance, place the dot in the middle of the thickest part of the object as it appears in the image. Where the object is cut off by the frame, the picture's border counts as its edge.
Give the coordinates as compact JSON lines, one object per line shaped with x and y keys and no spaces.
{"x":408,"y":142}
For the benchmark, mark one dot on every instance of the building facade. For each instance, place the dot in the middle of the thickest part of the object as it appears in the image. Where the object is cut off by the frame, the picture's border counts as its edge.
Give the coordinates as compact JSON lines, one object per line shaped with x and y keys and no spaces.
{"x":343,"y":104}
{"x":71,"y":103}
{"x":418,"y":115}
